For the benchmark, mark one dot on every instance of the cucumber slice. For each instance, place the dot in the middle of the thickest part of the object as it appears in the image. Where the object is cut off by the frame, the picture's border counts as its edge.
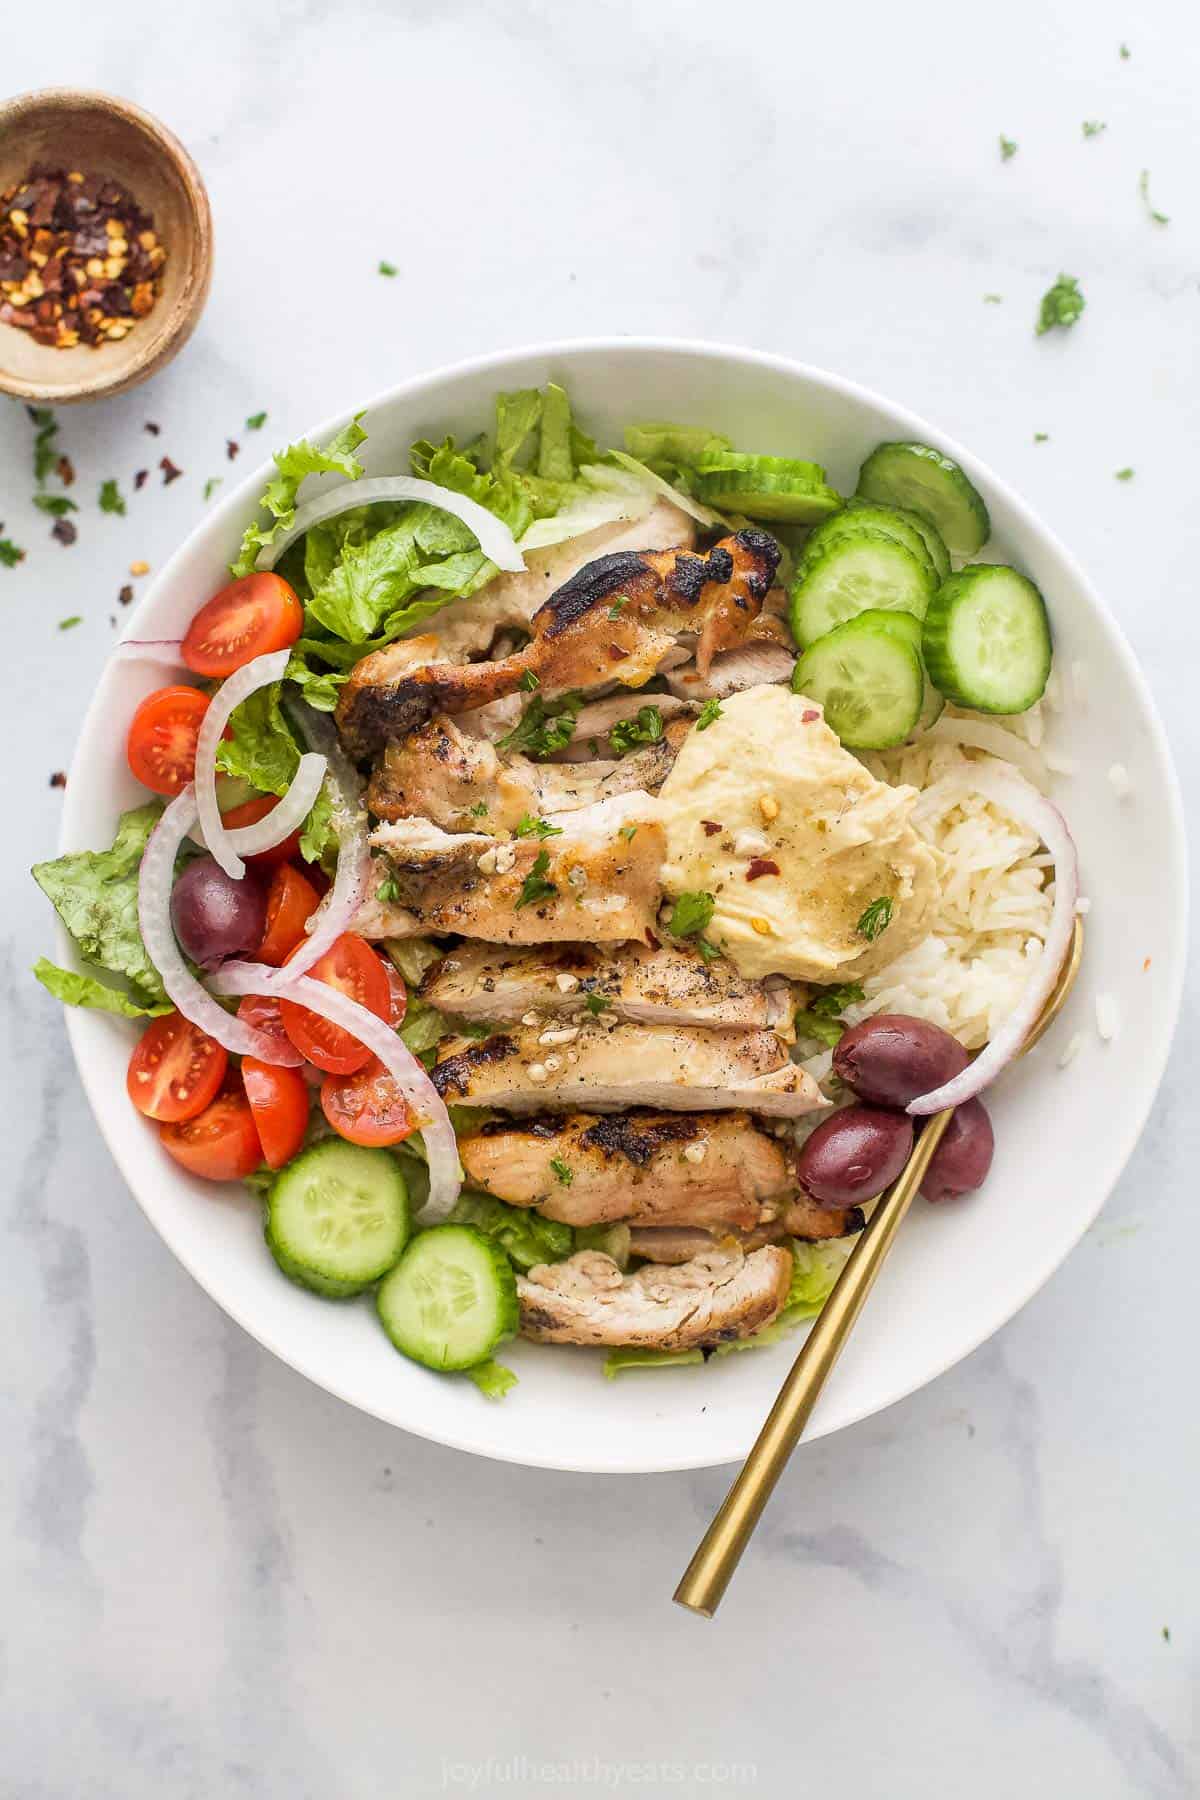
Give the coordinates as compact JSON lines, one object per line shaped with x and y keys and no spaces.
{"x":855,"y":573}
{"x":338,"y":1217}
{"x":865,"y":515}
{"x":869,"y":681}
{"x":924,"y":481}
{"x":986,"y":640}
{"x":790,"y":499}
{"x":716,"y":460}
{"x":929,"y":535}
{"x":450,"y":1299}
{"x":933,"y":704}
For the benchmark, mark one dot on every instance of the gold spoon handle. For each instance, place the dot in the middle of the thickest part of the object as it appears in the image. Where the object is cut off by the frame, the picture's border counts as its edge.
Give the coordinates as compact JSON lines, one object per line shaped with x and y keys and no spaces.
{"x":711,"y":1568}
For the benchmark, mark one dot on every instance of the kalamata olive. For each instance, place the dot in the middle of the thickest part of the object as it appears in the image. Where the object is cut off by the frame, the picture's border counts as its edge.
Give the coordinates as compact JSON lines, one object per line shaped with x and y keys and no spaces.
{"x":892,"y":1058}
{"x":964,"y":1156}
{"x":215,"y":916}
{"x":854,"y":1155}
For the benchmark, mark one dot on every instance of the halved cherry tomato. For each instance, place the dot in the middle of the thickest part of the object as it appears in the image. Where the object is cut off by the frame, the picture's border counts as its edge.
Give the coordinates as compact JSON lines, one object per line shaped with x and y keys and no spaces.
{"x":279,"y":1101}
{"x":367,"y":1107}
{"x":221,"y":1144}
{"x":397,"y":994}
{"x":253,"y":615}
{"x":291,"y":902}
{"x":351,"y":966}
{"x":249,"y":813}
{"x":161,"y":746}
{"x":261,"y":1011}
{"x":175,"y":1069}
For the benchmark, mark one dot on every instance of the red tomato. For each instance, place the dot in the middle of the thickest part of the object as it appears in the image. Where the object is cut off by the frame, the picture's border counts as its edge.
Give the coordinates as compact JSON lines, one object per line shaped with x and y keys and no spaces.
{"x":249,"y":618}
{"x":161,"y":746}
{"x":175,"y":1069}
{"x":221,"y":1144}
{"x":367,"y":1107}
{"x":351,"y":966}
{"x":397,"y":994}
{"x":249,"y":813}
{"x":291,"y":902}
{"x":263,"y":1013}
{"x":279,"y":1101}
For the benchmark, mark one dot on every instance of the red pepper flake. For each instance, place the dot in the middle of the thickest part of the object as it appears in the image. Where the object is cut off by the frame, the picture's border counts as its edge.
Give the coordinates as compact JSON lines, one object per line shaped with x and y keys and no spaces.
{"x":64,"y":468}
{"x":615,"y":653}
{"x":169,"y":471}
{"x":231,"y":448}
{"x":711,"y":827}
{"x":808,"y":715}
{"x":58,"y":779}
{"x":126,"y":594}
{"x":141,"y":478}
{"x":761,"y":865}
{"x":1146,"y":964}
{"x":64,"y":531}
{"x":152,"y":428}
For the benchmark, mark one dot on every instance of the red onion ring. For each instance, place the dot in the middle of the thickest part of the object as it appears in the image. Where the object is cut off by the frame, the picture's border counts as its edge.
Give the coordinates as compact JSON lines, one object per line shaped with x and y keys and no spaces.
{"x":287,"y":815}
{"x":437,"y":1133}
{"x":259,"y":673}
{"x":1014,"y":795}
{"x":155,"y":880}
{"x":150,"y":650}
{"x":495,"y":539}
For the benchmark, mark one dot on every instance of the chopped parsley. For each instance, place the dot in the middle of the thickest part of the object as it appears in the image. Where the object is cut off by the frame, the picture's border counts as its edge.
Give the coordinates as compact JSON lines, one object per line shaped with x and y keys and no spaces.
{"x":876,"y":919}
{"x":387,"y":890}
{"x":57,"y":505}
{"x":821,"y":1018}
{"x":1160,"y":218}
{"x":10,"y":554}
{"x":1124,"y":52}
{"x":256,"y":421}
{"x":529,"y":681}
{"x":535,"y":886}
{"x":594,"y":1004}
{"x":647,"y":728}
{"x":710,"y":712}
{"x":1061,"y":305}
{"x":1008,"y":149}
{"x":1125,"y":474}
{"x":562,"y":1170}
{"x":628,"y":832}
{"x":708,"y":951}
{"x":1041,"y":437}
{"x":67,"y":624}
{"x":479,"y":810}
{"x":111,"y":498}
{"x":211,"y":485}
{"x":618,"y":606}
{"x":992,"y":299}
{"x":44,"y":454}
{"x":387,"y":268}
{"x":691,"y":914}
{"x":544,"y":726}
{"x":538,"y":828}
{"x":1093,"y":127}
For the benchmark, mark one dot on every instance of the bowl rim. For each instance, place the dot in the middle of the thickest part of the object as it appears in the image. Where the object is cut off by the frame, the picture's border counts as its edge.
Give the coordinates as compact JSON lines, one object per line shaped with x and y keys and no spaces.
{"x":912,"y":424}
{"x":175,"y":331}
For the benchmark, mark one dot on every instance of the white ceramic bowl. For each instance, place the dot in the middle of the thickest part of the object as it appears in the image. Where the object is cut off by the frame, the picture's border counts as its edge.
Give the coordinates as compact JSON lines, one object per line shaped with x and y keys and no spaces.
{"x":1063,"y":1136}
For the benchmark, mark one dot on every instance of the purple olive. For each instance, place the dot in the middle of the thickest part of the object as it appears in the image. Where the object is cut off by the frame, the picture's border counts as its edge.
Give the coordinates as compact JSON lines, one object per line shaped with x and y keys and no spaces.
{"x":964,"y":1156}
{"x":854,"y":1155}
{"x":215,"y":916}
{"x":892,"y":1058}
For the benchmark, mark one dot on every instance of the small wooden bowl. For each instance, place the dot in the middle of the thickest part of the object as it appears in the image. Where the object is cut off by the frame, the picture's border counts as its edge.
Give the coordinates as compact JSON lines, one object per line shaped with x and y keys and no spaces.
{"x":73,"y":128}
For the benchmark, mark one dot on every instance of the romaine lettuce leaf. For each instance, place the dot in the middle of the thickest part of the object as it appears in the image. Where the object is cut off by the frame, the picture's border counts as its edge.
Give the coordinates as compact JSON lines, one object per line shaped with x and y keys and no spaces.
{"x":294,"y":464}
{"x":670,"y":449}
{"x":630,"y":1356}
{"x":94,"y":893}
{"x":525,"y":1236}
{"x":493,"y":1379}
{"x":261,"y":748}
{"x":84,"y":990}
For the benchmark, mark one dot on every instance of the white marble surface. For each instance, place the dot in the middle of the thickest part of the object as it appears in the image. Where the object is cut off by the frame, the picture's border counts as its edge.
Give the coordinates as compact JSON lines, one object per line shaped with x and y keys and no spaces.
{"x":218,"y":1580}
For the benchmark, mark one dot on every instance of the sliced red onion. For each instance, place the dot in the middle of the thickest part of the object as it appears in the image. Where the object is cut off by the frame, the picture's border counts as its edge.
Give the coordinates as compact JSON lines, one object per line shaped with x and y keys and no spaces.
{"x":155,"y":880}
{"x":703,"y":515}
{"x":1014,"y":795}
{"x":495,"y":539}
{"x":426,"y":1104}
{"x":150,"y":650}
{"x":287,"y":815}
{"x":259,"y":673}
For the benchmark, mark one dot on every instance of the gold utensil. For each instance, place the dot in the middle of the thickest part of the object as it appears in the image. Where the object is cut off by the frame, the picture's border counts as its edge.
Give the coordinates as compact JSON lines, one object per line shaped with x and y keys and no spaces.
{"x":711,"y":1568}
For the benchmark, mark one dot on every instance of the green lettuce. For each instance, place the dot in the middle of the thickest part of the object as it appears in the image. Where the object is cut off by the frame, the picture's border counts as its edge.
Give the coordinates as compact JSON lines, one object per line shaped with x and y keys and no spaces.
{"x":294,"y":464}
{"x":493,"y":1379}
{"x":630,"y":1356}
{"x":85,"y":990}
{"x":673,"y":451}
{"x":414,"y":957}
{"x":261,"y":748}
{"x":525,"y":1237}
{"x":94,"y":893}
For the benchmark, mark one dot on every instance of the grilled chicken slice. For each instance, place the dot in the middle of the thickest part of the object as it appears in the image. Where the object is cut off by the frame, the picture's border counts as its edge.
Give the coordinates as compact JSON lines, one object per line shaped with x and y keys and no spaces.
{"x":597,"y":718}
{"x":605,"y":1068}
{"x":802,"y":1218}
{"x":763,"y":662}
{"x":597,"y":881}
{"x":582,"y":638}
{"x":465,"y":783}
{"x":467,"y":628}
{"x":669,"y":985}
{"x":648,"y":1167}
{"x":718,"y":1295}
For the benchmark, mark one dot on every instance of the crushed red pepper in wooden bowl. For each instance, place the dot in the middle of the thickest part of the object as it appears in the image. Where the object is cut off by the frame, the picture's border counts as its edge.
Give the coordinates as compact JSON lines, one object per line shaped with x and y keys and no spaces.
{"x":80,"y":260}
